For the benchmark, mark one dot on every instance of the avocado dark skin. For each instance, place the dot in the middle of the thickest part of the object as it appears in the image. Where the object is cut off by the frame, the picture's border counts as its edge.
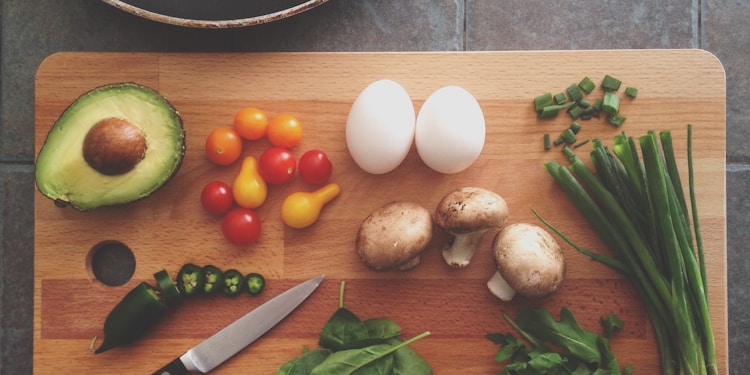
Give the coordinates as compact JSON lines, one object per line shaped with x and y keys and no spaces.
{"x":113,"y":145}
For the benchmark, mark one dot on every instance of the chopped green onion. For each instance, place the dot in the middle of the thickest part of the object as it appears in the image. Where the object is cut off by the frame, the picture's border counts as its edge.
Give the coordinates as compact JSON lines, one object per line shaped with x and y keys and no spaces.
{"x":587,"y":85}
{"x":553,"y":109}
{"x":581,"y":143}
{"x":611,"y":103}
{"x":558,"y":141}
{"x":616,"y":120}
{"x":568,"y":135}
{"x":631,"y":92}
{"x":575,"y":112}
{"x":575,"y":93}
{"x":542,"y":101}
{"x":561,"y":98}
{"x":610,"y":83}
{"x":584,"y":103}
{"x":598,"y":105}
{"x":547,"y":141}
{"x":575,"y":126}
{"x":588,"y":113}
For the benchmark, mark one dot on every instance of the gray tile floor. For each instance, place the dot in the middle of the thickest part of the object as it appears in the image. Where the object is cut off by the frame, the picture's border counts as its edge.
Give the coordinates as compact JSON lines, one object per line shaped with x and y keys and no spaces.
{"x":32,"y":30}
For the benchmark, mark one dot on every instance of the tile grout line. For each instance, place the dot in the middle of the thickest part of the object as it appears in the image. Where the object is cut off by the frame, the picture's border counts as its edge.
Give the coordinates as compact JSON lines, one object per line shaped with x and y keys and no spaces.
{"x":465,"y":26}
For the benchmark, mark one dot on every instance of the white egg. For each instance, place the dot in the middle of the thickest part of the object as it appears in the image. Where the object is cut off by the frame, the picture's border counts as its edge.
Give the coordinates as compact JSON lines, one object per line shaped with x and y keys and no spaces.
{"x":380,"y":127}
{"x":450,"y":130}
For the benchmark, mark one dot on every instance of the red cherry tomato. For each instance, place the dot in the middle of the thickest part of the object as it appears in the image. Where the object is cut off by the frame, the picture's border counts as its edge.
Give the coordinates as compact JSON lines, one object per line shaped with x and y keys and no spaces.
{"x":314,"y":167}
{"x":216,"y":198}
{"x":277,"y":165}
{"x":241,"y":226}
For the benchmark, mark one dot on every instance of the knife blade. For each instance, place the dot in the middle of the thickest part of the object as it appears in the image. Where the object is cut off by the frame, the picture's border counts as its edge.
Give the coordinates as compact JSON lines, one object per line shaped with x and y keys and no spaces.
{"x":222,"y":345}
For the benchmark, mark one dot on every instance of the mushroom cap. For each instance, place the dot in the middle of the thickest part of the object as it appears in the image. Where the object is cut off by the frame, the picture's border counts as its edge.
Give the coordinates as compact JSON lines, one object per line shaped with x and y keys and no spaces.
{"x":529,"y":259}
{"x":471,"y":209}
{"x":394,"y":235}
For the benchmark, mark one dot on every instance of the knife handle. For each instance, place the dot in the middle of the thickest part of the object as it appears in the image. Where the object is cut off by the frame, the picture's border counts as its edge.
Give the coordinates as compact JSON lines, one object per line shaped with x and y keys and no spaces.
{"x":175,"y":367}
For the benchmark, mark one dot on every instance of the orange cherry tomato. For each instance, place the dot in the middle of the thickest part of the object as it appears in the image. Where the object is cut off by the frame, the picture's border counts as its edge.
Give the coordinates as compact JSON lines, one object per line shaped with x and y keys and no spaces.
{"x":284,"y":131}
{"x":250,"y":123}
{"x":223,"y":145}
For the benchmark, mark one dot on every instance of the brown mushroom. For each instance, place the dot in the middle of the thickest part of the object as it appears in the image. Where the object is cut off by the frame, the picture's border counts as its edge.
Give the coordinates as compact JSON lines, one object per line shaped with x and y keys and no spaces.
{"x":529,"y":262}
{"x":394,"y":236}
{"x":466,"y":214}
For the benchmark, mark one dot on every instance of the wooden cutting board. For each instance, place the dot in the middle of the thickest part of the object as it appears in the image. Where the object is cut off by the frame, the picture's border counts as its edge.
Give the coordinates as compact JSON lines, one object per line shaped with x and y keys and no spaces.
{"x":169,"y":228}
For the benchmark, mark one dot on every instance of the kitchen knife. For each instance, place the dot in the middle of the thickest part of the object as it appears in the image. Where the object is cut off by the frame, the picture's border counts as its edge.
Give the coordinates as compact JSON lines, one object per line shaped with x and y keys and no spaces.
{"x":216,"y":349}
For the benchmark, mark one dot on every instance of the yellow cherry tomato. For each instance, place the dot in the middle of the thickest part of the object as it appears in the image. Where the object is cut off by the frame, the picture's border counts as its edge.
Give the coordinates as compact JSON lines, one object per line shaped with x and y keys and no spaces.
{"x":249,"y":189}
{"x":302,"y":209}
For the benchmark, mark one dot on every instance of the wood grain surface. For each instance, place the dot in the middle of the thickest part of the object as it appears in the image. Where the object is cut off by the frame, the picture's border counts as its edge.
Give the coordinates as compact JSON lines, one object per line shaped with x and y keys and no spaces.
{"x":168,"y":229}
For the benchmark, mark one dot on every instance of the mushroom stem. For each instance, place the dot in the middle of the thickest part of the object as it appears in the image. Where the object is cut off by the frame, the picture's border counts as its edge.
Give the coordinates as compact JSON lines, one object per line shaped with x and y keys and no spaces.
{"x":500,"y":288}
{"x":460,"y":252}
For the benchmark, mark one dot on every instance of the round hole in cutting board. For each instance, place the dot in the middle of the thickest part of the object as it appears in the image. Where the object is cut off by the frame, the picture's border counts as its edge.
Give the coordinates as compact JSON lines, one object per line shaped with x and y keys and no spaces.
{"x":112,"y":262}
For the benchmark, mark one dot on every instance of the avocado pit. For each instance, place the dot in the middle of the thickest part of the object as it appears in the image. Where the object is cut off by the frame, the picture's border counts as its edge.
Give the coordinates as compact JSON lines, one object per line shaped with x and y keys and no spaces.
{"x":114,"y":146}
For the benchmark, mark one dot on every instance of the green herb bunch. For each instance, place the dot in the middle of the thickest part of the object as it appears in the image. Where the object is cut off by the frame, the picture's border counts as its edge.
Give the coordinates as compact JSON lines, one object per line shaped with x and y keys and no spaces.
{"x":556,"y":347}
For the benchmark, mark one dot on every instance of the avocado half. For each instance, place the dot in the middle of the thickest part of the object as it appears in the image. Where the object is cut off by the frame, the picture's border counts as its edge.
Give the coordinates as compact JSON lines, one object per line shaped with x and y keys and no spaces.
{"x":115,"y":144}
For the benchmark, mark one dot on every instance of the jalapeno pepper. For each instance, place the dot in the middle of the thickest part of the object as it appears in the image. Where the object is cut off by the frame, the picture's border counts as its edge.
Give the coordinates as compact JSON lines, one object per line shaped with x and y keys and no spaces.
{"x":254,"y":283}
{"x":140,"y":309}
{"x":233,"y":282}
{"x":169,"y":291}
{"x":190,"y":280}
{"x":214,"y":279}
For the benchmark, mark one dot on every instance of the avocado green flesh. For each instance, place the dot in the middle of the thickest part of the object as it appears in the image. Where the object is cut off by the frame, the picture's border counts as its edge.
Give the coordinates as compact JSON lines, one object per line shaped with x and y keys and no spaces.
{"x":63,"y":175}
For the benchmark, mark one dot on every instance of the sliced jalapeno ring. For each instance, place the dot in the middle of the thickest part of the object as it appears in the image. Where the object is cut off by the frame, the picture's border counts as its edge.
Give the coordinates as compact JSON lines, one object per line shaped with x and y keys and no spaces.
{"x":190,"y":280}
{"x":167,"y":287}
{"x":140,"y":309}
{"x":233,"y":282}
{"x":254,"y":283}
{"x":214,"y":279}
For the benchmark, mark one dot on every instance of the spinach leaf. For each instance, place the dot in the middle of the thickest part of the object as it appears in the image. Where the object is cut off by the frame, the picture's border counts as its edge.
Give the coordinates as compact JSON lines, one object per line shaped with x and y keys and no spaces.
{"x":382,"y":328}
{"x":305,"y":363}
{"x":356,"y":347}
{"x":362,"y":361}
{"x":341,"y":330}
{"x":378,"y":331}
{"x":346,"y":362}
{"x":406,"y":361}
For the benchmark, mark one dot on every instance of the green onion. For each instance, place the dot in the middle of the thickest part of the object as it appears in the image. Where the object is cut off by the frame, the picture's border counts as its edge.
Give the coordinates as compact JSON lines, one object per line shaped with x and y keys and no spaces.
{"x":598,"y":105}
{"x":547,"y":141}
{"x":552,"y":110}
{"x":588,"y":113}
{"x":610,"y":103}
{"x":561,"y":98}
{"x":542,"y":101}
{"x":587,"y":85}
{"x":631,"y":92}
{"x":575,"y":93}
{"x":575,"y":126}
{"x":610,"y":83}
{"x":569,"y":136}
{"x":616,"y":120}
{"x":575,"y":112}
{"x":636,"y":205}
{"x":581,"y":143}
